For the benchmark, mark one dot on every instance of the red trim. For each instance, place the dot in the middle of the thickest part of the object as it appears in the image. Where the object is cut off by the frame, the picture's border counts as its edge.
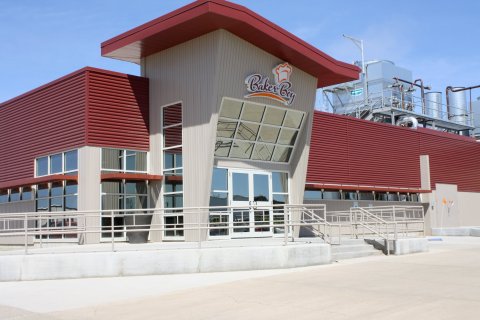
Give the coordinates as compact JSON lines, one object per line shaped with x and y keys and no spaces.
{"x":130,"y":176}
{"x":39,"y":180}
{"x":205,"y":16}
{"x":319,"y":186}
{"x":174,"y":178}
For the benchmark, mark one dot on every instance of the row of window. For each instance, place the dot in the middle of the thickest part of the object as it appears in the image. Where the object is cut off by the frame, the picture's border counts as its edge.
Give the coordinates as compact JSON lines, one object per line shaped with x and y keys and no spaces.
{"x":173,"y":166}
{"x":59,"y":163}
{"x":57,"y":196}
{"x":124,"y":196}
{"x":54,"y":197}
{"x":312,"y":195}
{"x":16,"y":194}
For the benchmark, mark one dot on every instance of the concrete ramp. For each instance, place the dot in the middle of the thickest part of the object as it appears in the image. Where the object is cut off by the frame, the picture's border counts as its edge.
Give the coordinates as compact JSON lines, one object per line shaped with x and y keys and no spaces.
{"x":48,"y":266}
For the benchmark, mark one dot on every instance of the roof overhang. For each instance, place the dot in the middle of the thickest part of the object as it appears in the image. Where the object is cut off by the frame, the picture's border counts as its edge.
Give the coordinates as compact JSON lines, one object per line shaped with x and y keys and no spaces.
{"x":204,"y":16}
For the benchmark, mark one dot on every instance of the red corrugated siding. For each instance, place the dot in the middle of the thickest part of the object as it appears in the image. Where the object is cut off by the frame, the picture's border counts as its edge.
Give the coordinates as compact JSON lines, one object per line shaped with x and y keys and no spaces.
{"x":117,"y":111}
{"x":346,"y":150}
{"x":43,"y":121}
{"x":452,"y":160}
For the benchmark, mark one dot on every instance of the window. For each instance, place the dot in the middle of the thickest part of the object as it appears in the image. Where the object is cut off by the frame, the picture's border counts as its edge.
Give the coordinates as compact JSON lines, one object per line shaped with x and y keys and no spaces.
{"x":247,"y":130}
{"x":365,"y":195}
{"x":71,"y":161}
{"x":42,"y":166}
{"x":60,"y":163}
{"x":119,"y":160}
{"x":331,"y":195}
{"x":311,"y":195}
{"x":120,"y":197}
{"x":14,"y":194}
{"x":27,"y":193}
{"x":219,"y":218}
{"x":54,"y":197}
{"x":3,"y":196}
{"x":172,"y":140}
{"x":172,"y":166}
{"x":56,"y":165}
{"x":280,"y":196}
{"x":350,"y":195}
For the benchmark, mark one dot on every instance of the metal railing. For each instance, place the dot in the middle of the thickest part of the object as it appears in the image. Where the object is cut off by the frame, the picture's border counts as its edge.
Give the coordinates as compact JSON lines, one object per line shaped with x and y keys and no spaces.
{"x":168,"y":224}
{"x":315,"y":219}
{"x":395,"y":100}
{"x":209,"y":223}
{"x":388,"y":222}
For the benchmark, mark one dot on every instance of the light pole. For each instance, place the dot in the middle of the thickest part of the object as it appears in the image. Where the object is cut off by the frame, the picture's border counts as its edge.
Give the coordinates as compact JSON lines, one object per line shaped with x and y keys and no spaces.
{"x":359,"y":44}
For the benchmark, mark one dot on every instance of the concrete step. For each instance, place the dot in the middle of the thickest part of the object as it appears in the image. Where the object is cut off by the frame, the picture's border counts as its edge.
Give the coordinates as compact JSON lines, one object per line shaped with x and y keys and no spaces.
{"x":352,"y":248}
{"x":353,"y":255}
{"x":355,"y":248}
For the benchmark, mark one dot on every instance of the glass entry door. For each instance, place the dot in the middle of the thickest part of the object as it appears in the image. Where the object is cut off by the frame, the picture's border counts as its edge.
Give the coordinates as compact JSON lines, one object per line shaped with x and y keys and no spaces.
{"x":251,"y":198}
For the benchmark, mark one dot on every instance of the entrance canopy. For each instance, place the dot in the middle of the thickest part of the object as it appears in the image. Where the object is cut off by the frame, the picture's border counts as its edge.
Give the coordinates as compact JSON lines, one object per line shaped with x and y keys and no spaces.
{"x":204,"y":16}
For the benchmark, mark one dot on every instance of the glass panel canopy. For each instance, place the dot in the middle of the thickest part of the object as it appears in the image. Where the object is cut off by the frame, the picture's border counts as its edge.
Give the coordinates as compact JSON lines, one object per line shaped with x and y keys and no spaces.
{"x":247,"y":130}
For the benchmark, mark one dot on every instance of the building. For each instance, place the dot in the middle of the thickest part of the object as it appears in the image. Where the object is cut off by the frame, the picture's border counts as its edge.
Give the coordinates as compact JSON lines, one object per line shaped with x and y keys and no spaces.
{"x":222,"y":115}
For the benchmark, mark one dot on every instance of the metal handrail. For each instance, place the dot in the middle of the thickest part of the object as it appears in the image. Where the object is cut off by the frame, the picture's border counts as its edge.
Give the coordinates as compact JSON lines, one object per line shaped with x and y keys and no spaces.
{"x":361,"y":222}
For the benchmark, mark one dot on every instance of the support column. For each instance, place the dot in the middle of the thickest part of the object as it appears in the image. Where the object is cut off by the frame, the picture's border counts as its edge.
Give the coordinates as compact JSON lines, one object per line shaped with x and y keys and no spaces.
{"x":89,"y":191}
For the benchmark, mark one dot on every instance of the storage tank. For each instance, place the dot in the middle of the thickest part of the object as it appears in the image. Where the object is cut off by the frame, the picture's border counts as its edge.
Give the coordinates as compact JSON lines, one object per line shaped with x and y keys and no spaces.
{"x":457,"y":104}
{"x":433,"y":104}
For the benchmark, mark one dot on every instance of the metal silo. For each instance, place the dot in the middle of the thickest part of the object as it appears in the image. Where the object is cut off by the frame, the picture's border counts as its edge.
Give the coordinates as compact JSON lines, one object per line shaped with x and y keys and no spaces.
{"x":433,"y":104}
{"x":457,"y":105}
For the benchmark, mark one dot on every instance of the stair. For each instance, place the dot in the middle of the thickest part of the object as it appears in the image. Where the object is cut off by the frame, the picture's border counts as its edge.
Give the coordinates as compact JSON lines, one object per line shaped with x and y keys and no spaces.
{"x":353,"y":248}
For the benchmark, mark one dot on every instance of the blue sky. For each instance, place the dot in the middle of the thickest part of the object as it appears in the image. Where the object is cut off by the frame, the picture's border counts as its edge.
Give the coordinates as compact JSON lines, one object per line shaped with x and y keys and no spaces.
{"x":437,"y":40}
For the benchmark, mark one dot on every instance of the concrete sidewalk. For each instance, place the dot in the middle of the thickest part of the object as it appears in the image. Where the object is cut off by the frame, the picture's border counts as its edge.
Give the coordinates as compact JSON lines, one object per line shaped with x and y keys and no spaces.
{"x":441,"y":284}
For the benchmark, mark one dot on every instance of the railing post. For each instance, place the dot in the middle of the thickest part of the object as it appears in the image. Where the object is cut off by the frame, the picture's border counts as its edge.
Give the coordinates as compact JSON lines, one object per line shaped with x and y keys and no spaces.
{"x":351,"y":224}
{"x":112,"y":231}
{"x":199,"y":228}
{"x":25,"y":227}
{"x":285,"y":226}
{"x":40,"y":231}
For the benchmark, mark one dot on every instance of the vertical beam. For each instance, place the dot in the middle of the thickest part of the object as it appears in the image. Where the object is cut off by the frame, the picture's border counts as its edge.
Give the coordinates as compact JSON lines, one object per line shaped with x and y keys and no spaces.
{"x":89,"y":190}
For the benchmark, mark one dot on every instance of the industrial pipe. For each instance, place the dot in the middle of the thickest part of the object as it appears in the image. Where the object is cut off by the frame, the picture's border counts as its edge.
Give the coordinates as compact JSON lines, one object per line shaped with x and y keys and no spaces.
{"x":450,"y":88}
{"x":421,"y":86}
{"x":422,"y":93}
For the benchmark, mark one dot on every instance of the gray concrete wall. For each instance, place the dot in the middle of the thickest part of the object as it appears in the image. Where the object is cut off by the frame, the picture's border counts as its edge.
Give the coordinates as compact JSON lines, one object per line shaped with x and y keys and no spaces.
{"x":18,"y":206}
{"x":15,"y":207}
{"x":154,"y":262}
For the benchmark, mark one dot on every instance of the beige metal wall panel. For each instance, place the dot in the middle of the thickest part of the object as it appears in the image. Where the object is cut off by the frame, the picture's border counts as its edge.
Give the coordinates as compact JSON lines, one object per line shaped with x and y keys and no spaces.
{"x":239,"y":59}
{"x":446,"y":211}
{"x":89,"y":189}
{"x":186,"y":73}
{"x":199,"y":74}
{"x":425,"y":172}
{"x":468,"y":208}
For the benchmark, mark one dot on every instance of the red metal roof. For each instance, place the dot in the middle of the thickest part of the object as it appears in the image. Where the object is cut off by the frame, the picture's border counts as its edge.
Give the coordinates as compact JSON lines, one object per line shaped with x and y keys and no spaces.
{"x":204,"y":16}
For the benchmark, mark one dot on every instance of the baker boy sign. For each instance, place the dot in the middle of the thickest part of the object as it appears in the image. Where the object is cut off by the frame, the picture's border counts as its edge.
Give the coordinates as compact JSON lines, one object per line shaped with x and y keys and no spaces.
{"x":260,"y":86}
